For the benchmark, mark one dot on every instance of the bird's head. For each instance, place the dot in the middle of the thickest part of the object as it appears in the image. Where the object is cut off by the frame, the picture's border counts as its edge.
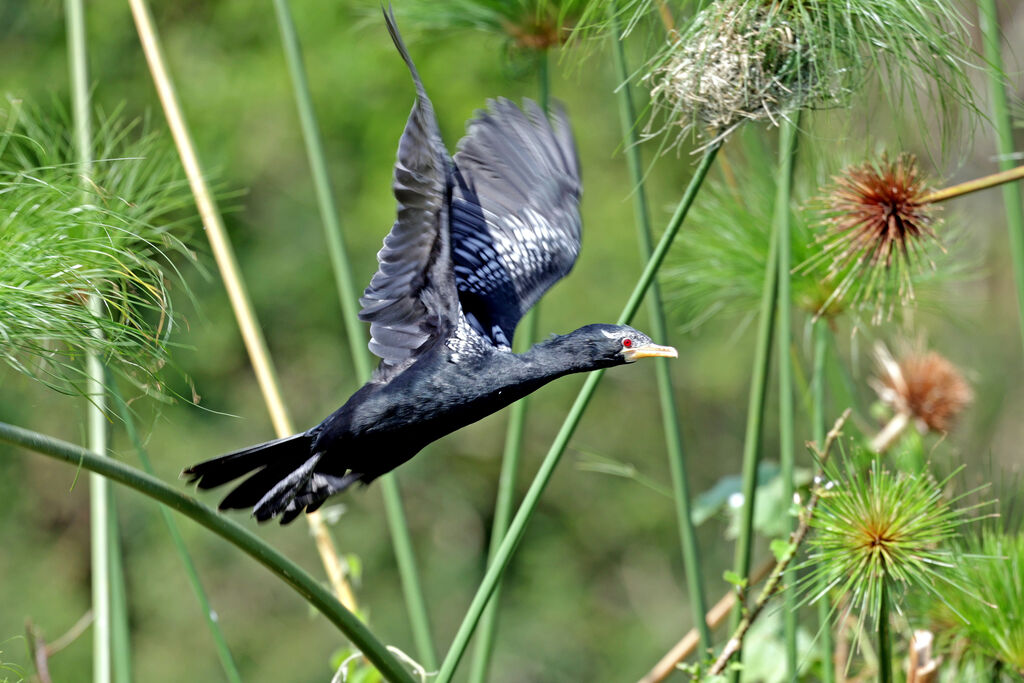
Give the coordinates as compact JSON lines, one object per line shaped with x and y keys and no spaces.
{"x":610,"y":345}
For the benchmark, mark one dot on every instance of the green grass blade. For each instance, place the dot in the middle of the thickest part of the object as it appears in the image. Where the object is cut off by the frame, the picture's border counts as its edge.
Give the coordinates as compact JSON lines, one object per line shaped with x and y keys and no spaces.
{"x":402,"y":541}
{"x":1004,"y":145}
{"x":669,"y":411}
{"x":787,"y":448}
{"x":510,"y":457}
{"x":518,"y":526}
{"x":220,"y":642}
{"x":310,"y":589}
{"x":755,"y":414}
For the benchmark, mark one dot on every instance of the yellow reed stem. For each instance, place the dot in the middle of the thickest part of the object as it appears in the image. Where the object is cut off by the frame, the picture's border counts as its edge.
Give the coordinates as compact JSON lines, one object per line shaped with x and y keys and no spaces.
{"x":975,"y":185}
{"x":228,"y":266}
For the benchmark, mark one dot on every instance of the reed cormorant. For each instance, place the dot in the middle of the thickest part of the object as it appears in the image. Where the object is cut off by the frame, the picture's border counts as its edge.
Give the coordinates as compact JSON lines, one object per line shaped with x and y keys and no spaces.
{"x":478,"y":239}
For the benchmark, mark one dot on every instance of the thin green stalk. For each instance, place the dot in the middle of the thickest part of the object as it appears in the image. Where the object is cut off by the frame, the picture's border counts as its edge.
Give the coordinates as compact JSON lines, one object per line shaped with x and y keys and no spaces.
{"x":518,"y":526}
{"x":309,"y":588}
{"x":224,"y":255}
{"x":884,"y":637}
{"x":99,"y":496}
{"x":656,"y":313}
{"x":1004,"y":145}
{"x":120,"y":632}
{"x":544,"y":79}
{"x":820,"y":332}
{"x":787,"y":450}
{"x":755,"y":419}
{"x":511,"y":455}
{"x":503,"y":503}
{"x":220,"y":642}
{"x":347,"y":294}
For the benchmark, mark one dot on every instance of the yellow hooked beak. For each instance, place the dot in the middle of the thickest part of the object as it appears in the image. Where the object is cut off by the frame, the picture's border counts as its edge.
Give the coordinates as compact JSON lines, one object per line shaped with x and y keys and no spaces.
{"x":649,"y":351}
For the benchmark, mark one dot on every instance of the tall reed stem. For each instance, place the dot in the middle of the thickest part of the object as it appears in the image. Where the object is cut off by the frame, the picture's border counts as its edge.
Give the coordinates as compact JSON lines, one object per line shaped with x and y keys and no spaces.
{"x":100,"y":508}
{"x":787,"y":448}
{"x":310,"y":589}
{"x":120,"y":631}
{"x":511,"y":455}
{"x":884,"y":637}
{"x":656,"y":313}
{"x":220,"y":642}
{"x":1004,"y":145}
{"x":223,"y":253}
{"x":820,"y":333}
{"x":755,"y":410}
{"x":518,"y":525}
{"x":401,"y":540}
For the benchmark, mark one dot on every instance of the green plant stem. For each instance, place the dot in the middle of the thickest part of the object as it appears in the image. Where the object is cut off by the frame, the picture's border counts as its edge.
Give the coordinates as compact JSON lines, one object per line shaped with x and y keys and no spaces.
{"x":227,"y":264}
{"x":755,"y":419}
{"x":1004,"y":145}
{"x":518,"y":525}
{"x":656,"y":313}
{"x":774,"y":583}
{"x":820,"y":333}
{"x":311,"y":590}
{"x":120,"y":632}
{"x":405,"y":558}
{"x":544,"y":79}
{"x":100,"y":508}
{"x":220,"y":642}
{"x":884,"y":637}
{"x":503,"y":505}
{"x":416,"y":608}
{"x":787,"y":448}
{"x":511,"y":455}
{"x":343,"y":278}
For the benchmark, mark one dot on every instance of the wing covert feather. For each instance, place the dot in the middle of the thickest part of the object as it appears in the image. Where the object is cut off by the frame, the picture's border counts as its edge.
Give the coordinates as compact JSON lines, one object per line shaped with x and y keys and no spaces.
{"x":515,"y":222}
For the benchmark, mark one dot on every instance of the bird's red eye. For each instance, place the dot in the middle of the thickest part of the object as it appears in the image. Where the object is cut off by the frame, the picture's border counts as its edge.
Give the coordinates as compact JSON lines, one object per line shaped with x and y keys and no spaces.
{"x":627,"y":342}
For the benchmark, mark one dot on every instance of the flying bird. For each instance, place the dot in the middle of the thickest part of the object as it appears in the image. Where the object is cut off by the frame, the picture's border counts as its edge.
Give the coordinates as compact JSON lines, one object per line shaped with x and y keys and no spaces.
{"x":479,"y":237}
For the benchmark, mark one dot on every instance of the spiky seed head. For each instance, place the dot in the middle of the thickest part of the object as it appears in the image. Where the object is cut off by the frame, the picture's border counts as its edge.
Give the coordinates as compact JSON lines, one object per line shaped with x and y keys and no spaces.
{"x":880,"y":533}
{"x":877,"y":221}
{"x":923,"y":385}
{"x":879,"y":209}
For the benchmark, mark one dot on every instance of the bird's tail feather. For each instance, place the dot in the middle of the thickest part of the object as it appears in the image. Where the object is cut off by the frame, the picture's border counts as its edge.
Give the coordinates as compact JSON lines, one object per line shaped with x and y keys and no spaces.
{"x":285,"y":482}
{"x":212,"y":473}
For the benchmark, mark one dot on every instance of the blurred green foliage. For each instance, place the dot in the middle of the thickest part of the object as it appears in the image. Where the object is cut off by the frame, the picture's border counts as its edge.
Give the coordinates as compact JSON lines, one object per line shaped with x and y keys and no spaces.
{"x":596,"y":591}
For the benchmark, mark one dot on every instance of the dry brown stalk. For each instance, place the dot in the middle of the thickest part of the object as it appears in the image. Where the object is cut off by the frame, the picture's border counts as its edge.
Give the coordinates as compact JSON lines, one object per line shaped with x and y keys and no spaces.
{"x":714,"y":618}
{"x":797,"y":537}
{"x":228,"y":266}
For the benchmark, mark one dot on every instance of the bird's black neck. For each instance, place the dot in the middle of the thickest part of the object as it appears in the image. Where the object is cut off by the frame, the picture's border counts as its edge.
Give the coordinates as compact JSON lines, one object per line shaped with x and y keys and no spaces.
{"x":559,"y":356}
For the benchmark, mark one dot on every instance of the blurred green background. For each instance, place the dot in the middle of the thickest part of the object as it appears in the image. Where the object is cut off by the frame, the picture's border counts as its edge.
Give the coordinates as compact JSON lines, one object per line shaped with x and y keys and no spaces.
{"x":596,"y":590}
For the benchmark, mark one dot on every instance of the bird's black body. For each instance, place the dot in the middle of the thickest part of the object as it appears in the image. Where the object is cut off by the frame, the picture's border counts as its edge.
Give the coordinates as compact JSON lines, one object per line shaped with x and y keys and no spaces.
{"x":478,"y":239}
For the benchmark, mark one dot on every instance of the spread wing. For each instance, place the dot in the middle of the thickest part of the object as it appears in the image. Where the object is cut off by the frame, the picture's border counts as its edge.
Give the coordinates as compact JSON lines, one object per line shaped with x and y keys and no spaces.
{"x":411,"y":299}
{"x":514,"y":217}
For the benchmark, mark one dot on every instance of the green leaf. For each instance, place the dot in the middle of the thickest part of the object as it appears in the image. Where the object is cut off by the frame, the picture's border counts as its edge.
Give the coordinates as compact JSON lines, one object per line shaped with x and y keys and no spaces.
{"x":735,"y":579}
{"x":781,"y":548}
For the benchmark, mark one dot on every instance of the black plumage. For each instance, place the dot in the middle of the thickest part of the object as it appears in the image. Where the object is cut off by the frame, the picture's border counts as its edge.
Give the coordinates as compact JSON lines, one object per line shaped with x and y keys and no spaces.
{"x":478,"y":240}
